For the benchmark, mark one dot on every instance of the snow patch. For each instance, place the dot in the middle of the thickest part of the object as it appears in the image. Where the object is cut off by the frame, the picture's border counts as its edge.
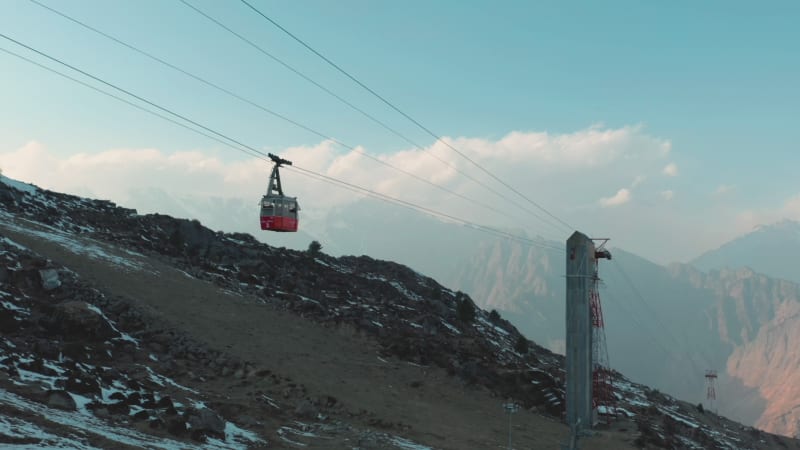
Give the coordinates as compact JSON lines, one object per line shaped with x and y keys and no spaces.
{"x":11,"y":243}
{"x":406,"y":293}
{"x":451,"y":328}
{"x":19,"y":429}
{"x":161,"y":380}
{"x":123,"y":336}
{"x":85,"y":423}
{"x":18,"y":185}
{"x":405,"y":444}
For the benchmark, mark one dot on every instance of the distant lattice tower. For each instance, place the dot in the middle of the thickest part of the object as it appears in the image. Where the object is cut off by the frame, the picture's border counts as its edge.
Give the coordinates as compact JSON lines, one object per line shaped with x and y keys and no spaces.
{"x":603,"y":401}
{"x":711,"y":392}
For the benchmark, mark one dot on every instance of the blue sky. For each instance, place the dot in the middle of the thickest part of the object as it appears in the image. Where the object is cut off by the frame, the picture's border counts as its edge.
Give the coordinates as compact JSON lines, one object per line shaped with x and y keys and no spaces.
{"x":718,"y":80}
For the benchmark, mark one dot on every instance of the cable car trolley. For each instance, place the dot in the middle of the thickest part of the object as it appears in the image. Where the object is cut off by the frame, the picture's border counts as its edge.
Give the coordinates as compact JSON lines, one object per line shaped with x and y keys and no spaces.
{"x":278,"y":212}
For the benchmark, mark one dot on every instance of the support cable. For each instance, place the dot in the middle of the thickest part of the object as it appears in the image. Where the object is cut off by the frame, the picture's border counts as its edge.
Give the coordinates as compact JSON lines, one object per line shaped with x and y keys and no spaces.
{"x":656,"y":318}
{"x":251,"y":151}
{"x":370,"y":116}
{"x":407,"y":116}
{"x":278,"y":115}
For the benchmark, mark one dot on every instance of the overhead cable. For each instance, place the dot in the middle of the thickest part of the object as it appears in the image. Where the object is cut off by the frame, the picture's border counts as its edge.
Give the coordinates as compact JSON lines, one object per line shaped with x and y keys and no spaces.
{"x":276,"y":114}
{"x":402,"y":113}
{"x":237,"y":145}
{"x":364,"y":113}
{"x":655,"y":316}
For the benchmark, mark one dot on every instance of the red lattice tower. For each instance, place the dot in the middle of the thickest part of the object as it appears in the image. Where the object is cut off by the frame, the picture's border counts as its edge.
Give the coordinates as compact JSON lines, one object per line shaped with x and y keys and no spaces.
{"x":711,"y":392}
{"x":603,"y":399}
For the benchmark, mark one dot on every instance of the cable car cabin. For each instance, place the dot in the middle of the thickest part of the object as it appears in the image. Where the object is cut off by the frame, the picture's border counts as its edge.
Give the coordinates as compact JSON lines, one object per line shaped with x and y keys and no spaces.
{"x":278,"y":212}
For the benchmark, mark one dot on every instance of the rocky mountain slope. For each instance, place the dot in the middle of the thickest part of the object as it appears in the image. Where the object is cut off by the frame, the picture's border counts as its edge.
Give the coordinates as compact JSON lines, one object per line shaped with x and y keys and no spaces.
{"x":126,"y":331}
{"x":666,"y":330}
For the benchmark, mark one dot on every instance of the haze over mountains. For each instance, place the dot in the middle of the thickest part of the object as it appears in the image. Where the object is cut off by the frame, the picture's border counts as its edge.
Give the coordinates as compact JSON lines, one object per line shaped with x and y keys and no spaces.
{"x":770,"y":249}
{"x":665,"y":325}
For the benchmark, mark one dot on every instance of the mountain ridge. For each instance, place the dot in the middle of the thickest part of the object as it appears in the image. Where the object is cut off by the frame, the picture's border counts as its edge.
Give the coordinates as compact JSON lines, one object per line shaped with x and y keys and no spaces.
{"x":770,"y":249}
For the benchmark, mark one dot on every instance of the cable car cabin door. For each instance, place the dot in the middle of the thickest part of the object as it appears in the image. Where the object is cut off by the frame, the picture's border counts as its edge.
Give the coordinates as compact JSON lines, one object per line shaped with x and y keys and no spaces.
{"x":279,"y":213}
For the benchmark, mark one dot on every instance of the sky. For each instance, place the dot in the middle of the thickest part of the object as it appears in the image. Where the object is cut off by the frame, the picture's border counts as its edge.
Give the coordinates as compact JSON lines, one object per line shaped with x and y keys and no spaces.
{"x":668,"y":127}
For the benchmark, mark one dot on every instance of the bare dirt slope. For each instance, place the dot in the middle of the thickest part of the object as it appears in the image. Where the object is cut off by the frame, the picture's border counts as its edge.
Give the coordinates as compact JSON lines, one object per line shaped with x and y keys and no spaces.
{"x":422,"y":404}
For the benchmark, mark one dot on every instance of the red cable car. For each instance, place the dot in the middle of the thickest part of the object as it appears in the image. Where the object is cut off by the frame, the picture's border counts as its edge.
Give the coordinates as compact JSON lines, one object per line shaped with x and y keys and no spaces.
{"x":278,"y":212}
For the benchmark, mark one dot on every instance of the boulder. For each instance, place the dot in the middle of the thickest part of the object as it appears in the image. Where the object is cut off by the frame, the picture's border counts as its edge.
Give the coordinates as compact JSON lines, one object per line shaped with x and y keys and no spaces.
{"x":59,"y":398}
{"x":76,"y":318}
{"x":49,"y":279}
{"x":176,"y":426}
{"x":306,"y":409}
{"x":206,"y":421}
{"x":82,"y":385}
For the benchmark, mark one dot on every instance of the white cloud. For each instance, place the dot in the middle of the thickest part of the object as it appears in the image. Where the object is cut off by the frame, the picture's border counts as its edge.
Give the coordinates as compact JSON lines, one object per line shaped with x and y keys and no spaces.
{"x":562,"y":172}
{"x":722,"y":190}
{"x":621,"y":197}
{"x":667,"y":195}
{"x":671,"y":170}
{"x":638,"y":180}
{"x":749,"y":219}
{"x":791,"y":208}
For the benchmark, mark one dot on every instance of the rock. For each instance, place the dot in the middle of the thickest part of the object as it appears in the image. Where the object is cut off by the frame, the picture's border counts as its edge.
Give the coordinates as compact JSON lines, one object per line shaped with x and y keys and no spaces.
{"x":9,"y":323}
{"x":198,"y":435}
{"x":369,"y":441}
{"x":157,"y":347}
{"x":77,"y":318}
{"x":49,"y":279}
{"x":306,"y":409}
{"x":118,"y":408}
{"x":134,"y":399}
{"x":148,"y":401}
{"x":47,"y":348}
{"x":177,"y":426}
{"x":82,"y":385}
{"x":164,"y":402}
{"x":248,"y":421}
{"x":206,"y":421}
{"x":58,"y":398}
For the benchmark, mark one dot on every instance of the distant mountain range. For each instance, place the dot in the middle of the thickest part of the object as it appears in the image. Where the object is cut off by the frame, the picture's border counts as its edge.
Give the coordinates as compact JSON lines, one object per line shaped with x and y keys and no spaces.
{"x":771,"y":249}
{"x":667,"y":325}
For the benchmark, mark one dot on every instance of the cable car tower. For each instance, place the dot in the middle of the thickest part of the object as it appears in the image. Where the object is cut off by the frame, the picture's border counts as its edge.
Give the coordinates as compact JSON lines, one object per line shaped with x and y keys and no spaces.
{"x":588,"y":377}
{"x":711,"y":392}
{"x":278,"y":212}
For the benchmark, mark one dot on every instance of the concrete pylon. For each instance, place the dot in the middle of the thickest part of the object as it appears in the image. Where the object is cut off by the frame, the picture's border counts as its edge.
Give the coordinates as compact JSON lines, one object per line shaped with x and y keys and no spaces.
{"x":580,"y":264}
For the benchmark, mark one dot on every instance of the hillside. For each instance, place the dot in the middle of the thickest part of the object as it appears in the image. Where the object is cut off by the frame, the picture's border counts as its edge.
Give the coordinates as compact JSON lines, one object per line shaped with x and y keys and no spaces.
{"x":676,"y":324}
{"x":123,"y":330}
